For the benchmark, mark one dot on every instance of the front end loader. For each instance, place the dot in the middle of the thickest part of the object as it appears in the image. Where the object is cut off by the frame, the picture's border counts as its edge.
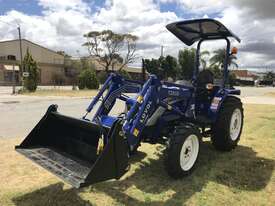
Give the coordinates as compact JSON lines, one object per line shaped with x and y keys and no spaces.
{"x":89,"y":150}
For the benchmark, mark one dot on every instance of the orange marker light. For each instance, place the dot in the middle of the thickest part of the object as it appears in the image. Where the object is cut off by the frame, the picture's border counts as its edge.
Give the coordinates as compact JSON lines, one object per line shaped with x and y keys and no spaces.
{"x":234,"y":50}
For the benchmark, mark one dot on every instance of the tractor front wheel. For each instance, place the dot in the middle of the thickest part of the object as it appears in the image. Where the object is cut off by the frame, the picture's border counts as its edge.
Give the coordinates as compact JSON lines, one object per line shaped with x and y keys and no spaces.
{"x":182,"y":151}
{"x":227,"y":130}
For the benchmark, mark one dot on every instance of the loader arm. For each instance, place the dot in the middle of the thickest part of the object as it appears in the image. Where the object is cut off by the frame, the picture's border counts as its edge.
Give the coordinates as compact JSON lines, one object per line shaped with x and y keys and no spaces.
{"x":151,"y":96}
{"x":154,"y":95}
{"x":113,"y":89}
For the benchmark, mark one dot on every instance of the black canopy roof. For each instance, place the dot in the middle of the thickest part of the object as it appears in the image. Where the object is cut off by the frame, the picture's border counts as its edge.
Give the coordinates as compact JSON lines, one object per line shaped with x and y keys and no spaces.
{"x":191,"y":31}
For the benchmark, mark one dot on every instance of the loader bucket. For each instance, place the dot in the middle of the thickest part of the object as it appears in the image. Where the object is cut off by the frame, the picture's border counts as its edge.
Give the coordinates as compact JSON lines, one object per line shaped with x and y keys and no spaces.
{"x":67,"y":147}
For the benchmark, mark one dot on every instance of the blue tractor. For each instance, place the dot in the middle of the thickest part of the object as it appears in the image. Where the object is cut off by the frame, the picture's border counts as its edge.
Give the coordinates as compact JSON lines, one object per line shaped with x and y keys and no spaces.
{"x":89,"y":150}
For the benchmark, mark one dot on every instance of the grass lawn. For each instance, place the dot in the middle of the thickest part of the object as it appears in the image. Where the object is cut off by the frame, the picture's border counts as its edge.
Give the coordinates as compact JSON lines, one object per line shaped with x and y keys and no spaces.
{"x":244,"y":176}
{"x":60,"y":92}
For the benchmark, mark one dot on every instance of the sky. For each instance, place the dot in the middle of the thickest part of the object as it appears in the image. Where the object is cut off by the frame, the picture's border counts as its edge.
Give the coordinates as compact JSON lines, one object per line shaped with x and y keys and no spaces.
{"x":60,"y":24}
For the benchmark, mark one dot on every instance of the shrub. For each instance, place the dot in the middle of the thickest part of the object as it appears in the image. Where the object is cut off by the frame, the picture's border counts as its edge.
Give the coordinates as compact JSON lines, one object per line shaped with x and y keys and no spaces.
{"x":30,"y":66}
{"x":87,"y":80}
{"x":217,"y":72}
{"x":232,"y":79}
{"x":102,"y":76}
{"x":124,"y":74}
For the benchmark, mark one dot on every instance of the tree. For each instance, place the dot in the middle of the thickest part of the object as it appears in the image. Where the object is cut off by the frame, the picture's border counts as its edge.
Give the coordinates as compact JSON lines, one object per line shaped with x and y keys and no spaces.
{"x":186,"y":60}
{"x":124,"y":74}
{"x":217,"y":72}
{"x":111,"y":49}
{"x":102,"y":76}
{"x":219,"y":56}
{"x":217,"y":61}
{"x":269,"y":76}
{"x":232,"y":79}
{"x":88,"y":80}
{"x":30,"y":66}
{"x":163,"y":67}
{"x":73,"y":67}
{"x":202,"y":58}
{"x":63,"y":53}
{"x":169,"y":66}
{"x":153,"y":67}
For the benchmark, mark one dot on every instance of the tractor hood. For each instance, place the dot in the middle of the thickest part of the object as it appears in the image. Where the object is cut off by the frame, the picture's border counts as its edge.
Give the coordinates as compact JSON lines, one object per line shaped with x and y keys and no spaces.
{"x":191,"y":31}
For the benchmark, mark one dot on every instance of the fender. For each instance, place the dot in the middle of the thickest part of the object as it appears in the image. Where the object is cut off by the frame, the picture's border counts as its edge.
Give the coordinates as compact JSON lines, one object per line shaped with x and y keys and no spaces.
{"x":218,"y":100}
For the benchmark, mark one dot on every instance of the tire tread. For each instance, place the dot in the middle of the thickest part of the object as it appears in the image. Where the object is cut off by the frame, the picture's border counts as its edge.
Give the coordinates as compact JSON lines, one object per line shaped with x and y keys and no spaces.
{"x":220,"y":130}
{"x":172,"y":153}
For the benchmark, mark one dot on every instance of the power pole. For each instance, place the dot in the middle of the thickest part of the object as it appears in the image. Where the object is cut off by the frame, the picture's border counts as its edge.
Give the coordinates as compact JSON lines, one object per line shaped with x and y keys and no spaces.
{"x":161,"y":50}
{"x":13,"y":79}
{"x":21,"y":55}
{"x":143,"y":73}
{"x":12,"y":58}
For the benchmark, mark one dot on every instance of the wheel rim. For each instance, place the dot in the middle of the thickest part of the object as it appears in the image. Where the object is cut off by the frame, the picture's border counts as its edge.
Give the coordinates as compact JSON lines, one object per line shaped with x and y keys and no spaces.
{"x":189,"y":152}
{"x":235,"y":124}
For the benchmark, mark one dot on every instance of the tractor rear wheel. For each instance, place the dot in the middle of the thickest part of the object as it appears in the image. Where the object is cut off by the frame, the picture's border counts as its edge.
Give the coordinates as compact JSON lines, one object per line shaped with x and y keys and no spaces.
{"x":182,"y":151}
{"x":227,"y":130}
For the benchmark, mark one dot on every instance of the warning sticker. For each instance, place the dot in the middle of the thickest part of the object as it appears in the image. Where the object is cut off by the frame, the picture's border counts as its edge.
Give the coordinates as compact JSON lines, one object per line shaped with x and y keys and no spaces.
{"x":215,"y":103}
{"x":136,"y":132}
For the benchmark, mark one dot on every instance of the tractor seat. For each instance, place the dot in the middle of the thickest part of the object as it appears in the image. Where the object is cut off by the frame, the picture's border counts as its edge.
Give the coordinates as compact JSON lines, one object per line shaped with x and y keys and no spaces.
{"x":205,"y":77}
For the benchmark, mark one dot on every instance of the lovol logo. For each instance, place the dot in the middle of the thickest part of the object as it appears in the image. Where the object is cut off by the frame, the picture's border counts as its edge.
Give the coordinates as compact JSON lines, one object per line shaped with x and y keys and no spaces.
{"x":173,"y":93}
{"x":144,"y":115}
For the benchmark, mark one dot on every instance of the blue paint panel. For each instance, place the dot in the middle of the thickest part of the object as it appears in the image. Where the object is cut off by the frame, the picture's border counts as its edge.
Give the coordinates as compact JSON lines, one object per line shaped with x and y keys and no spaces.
{"x":178,"y":100}
{"x":108,"y":121}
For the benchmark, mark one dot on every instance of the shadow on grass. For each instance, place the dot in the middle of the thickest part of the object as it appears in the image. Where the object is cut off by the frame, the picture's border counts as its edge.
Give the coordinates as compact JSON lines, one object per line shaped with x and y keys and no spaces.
{"x":239,"y":170}
{"x":52,"y":195}
{"x":55,"y":195}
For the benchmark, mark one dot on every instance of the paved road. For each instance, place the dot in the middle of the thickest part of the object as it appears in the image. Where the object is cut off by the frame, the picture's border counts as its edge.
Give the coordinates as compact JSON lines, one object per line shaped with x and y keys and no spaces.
{"x":255,"y":91}
{"x":257,"y":95}
{"x":19,"y":114}
{"x":8,"y":89}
